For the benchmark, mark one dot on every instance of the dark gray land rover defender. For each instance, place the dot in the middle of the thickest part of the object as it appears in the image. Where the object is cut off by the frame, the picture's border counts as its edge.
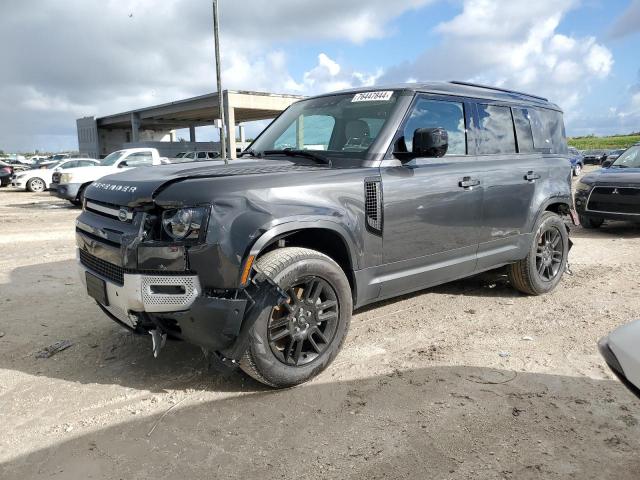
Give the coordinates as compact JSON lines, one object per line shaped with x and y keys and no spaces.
{"x":344,"y":200}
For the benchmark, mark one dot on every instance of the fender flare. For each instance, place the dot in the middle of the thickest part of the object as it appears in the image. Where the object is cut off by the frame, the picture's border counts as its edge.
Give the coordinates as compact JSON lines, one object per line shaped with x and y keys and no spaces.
{"x":294,"y":226}
{"x":563,"y":199}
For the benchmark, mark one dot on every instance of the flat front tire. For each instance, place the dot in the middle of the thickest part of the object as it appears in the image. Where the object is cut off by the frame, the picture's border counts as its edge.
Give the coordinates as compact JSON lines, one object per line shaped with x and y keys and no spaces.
{"x":294,"y":342}
{"x":542,"y":269}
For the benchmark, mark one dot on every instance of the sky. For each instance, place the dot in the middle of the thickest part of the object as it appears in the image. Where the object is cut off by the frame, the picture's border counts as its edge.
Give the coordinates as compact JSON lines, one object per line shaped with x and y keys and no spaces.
{"x":65,"y":59}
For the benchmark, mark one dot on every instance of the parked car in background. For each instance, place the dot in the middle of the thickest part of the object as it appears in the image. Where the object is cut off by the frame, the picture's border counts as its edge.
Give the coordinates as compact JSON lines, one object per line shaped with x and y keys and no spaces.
{"x":6,"y":172}
{"x":594,"y":157}
{"x":37,"y":159}
{"x":611,"y":193}
{"x":577,"y":161}
{"x":16,"y":164}
{"x":621,"y":351}
{"x":71,"y":184}
{"x":262,"y":264}
{"x":40,"y":179}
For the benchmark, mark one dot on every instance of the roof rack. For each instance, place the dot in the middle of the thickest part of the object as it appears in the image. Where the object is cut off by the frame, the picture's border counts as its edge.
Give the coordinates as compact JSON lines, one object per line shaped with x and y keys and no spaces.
{"x":488,"y":87}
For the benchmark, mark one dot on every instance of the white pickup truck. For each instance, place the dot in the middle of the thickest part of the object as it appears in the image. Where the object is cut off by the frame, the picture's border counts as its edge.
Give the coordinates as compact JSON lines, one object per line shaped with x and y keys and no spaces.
{"x":71,"y":183}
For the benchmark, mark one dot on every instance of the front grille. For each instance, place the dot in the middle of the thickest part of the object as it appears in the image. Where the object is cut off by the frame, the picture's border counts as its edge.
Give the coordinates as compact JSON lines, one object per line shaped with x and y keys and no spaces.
{"x":615,"y":200}
{"x":103,"y":268}
{"x":115,"y":273}
{"x":110,"y":210}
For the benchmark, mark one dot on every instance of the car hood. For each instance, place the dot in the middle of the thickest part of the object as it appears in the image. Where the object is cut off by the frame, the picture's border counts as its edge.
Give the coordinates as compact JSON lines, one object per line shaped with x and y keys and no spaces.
{"x":614,"y":176}
{"x":141,"y":185}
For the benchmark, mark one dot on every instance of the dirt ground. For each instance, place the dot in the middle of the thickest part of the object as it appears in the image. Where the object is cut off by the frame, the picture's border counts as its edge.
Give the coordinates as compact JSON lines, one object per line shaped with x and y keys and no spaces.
{"x":467,"y":380}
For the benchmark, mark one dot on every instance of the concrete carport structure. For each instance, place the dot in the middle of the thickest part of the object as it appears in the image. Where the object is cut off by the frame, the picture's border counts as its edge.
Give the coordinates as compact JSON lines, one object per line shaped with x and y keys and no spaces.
{"x":97,"y":137}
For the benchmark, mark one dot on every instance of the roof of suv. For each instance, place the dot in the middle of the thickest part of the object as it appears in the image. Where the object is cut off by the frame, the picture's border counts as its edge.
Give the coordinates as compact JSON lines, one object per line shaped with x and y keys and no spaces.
{"x":463,"y":89}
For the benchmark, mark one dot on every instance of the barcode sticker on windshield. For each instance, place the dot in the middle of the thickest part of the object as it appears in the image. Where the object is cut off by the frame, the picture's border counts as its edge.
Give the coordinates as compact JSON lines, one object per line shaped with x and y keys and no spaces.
{"x":372,"y":96}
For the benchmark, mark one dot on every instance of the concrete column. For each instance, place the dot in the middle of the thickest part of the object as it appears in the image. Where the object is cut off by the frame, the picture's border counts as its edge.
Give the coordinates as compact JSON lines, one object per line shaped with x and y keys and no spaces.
{"x":242,"y":136}
{"x":300,"y":133}
{"x":135,"y":127}
{"x":192,"y":133}
{"x":230,"y":121}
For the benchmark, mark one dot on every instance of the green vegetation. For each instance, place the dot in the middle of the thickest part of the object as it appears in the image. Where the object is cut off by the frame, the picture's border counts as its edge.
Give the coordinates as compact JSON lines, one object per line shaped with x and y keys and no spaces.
{"x":614,"y":142}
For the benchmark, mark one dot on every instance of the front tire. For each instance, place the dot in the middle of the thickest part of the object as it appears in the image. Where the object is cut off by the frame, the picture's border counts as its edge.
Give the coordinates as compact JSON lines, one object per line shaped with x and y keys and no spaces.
{"x":36,"y":185}
{"x":542,"y":269}
{"x":590,"y":222}
{"x":294,"y":342}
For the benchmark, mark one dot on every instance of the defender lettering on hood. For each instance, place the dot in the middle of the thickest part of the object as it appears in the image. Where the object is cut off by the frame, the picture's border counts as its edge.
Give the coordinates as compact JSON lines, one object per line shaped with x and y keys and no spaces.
{"x":115,"y":187}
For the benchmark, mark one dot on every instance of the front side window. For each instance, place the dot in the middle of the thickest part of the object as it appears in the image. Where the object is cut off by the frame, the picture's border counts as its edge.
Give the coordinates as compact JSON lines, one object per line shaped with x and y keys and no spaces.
{"x":496,"y":130}
{"x":66,"y":165}
{"x":202,"y":154}
{"x":438,"y":114}
{"x":337,"y":126}
{"x":112,"y":158}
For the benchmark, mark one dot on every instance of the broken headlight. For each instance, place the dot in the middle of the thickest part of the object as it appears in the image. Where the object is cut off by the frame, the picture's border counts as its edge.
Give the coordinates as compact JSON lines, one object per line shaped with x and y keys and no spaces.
{"x":184,"y":223}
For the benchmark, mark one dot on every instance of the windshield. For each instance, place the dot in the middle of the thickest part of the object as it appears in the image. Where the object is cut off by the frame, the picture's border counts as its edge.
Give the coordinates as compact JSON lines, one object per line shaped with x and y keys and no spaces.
{"x":112,"y":158}
{"x":343,"y":126}
{"x":629,"y":159}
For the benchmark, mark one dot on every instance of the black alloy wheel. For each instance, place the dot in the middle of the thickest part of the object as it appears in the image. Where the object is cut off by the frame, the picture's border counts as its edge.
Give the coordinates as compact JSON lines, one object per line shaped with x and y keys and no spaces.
{"x":549,"y":254}
{"x":302,"y":328}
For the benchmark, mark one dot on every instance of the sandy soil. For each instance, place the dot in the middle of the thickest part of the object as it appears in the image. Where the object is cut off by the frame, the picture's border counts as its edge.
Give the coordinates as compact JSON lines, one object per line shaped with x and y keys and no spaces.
{"x":420,"y":390}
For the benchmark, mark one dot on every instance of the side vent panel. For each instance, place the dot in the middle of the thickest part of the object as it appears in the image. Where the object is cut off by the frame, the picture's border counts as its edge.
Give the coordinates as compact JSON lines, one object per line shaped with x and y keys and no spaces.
{"x":373,"y":204}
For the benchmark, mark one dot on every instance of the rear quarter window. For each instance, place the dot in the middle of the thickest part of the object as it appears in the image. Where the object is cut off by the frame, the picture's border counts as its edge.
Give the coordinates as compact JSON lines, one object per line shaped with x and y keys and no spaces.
{"x":548,"y":130}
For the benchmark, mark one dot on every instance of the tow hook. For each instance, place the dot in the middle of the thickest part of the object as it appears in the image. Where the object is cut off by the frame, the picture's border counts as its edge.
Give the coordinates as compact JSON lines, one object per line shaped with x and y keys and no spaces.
{"x":159,"y":339}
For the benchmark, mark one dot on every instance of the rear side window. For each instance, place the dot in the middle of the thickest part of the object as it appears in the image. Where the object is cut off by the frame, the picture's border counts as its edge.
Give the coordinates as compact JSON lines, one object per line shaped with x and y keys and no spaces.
{"x":496,"y":130}
{"x":202,"y":154}
{"x":434,"y":114}
{"x":523,"y":130}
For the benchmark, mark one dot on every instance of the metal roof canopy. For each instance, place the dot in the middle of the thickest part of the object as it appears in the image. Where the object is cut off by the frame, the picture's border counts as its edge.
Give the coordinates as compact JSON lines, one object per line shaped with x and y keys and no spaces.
{"x":203,"y":110}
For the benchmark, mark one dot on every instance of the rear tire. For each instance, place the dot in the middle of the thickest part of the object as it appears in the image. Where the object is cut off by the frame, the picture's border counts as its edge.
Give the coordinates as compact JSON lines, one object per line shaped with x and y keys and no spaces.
{"x":542,"y":269}
{"x":590,"y":222}
{"x":294,"y":342}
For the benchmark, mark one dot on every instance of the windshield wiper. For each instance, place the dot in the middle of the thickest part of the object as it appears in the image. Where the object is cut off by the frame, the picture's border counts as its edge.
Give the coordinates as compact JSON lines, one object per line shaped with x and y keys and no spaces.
{"x":289,"y":152}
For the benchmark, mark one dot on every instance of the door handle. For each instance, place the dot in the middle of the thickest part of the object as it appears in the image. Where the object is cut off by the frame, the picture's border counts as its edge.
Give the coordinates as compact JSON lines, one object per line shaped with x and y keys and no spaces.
{"x":468,"y":182}
{"x":531,"y":176}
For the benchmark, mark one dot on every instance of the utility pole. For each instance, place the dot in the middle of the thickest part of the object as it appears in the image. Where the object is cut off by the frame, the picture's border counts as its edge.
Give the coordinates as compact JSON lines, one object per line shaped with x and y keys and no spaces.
{"x":216,"y":37}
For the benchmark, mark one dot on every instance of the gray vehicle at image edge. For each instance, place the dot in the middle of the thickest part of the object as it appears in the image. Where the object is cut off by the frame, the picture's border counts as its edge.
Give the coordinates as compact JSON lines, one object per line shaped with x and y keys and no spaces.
{"x":344,"y":200}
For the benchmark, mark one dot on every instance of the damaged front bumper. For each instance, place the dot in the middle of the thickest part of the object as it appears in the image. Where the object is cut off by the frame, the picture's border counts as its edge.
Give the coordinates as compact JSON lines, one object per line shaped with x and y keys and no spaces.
{"x":175,"y":305}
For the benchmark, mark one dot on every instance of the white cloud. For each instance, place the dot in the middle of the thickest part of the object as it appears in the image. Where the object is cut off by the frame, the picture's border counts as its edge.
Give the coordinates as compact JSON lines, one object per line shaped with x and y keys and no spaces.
{"x":73,"y":58}
{"x":517,"y":45}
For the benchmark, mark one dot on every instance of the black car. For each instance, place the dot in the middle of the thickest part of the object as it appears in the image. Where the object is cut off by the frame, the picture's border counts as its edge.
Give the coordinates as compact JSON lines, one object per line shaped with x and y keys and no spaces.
{"x":344,"y":200}
{"x":611,"y":193}
{"x":594,"y":157}
{"x":6,"y":172}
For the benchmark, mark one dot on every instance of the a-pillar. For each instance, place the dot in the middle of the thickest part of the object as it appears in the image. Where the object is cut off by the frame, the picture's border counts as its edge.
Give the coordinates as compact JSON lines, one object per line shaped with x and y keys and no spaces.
{"x":230,"y":122}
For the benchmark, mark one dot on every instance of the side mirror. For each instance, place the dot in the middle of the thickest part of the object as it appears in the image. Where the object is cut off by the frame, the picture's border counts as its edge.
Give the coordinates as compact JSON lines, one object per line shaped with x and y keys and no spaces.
{"x":430,"y":142}
{"x":122,"y":164}
{"x":427,"y":143}
{"x":607,"y":163}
